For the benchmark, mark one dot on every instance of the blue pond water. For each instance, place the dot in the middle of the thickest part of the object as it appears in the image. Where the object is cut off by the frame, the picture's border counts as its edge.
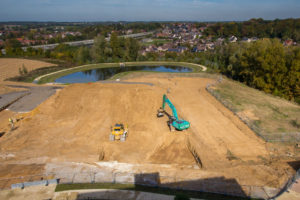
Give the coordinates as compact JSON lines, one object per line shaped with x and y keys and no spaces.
{"x":105,"y":73}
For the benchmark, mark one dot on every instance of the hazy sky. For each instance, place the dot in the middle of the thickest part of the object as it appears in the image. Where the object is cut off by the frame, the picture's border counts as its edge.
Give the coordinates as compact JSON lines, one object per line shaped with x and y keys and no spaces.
{"x":146,"y":10}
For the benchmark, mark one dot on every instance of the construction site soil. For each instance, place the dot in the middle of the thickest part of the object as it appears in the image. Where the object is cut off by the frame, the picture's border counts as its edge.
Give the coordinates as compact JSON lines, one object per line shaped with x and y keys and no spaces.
{"x":74,"y":125}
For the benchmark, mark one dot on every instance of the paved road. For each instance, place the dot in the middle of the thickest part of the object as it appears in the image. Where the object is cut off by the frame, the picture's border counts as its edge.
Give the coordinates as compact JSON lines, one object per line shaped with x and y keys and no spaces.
{"x":26,"y":101}
{"x":9,"y":98}
{"x":84,"y":42}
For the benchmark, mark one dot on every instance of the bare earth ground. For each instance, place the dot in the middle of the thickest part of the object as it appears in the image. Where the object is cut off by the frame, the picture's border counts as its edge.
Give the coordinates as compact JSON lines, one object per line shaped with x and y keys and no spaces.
{"x":74,"y":124}
{"x":9,"y":67}
{"x":29,"y":193}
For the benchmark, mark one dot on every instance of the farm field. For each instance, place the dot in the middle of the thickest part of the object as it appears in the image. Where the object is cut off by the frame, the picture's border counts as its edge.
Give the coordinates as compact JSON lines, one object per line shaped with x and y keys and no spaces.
{"x":10,"y":66}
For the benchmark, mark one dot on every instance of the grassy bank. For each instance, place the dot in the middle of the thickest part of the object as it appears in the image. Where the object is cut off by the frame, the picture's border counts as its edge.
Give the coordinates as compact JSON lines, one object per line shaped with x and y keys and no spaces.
{"x":273,"y":118}
{"x":53,"y":76}
{"x":157,"y":190}
{"x":31,"y":75}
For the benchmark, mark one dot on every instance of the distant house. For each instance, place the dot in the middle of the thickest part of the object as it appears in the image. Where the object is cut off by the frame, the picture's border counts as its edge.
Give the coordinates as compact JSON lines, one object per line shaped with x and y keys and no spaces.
{"x":201,"y":29}
{"x":245,"y":39}
{"x":179,"y":49}
{"x":210,"y":45}
{"x":151,"y":48}
{"x":143,"y":52}
{"x":176,"y":50}
{"x":162,"y":48}
{"x":220,"y":41}
{"x":26,"y":42}
{"x":162,"y":35}
{"x":199,"y":49}
{"x":253,"y":39}
{"x":165,"y":47}
{"x":288,"y":42}
{"x":233,"y":39}
{"x":130,"y":31}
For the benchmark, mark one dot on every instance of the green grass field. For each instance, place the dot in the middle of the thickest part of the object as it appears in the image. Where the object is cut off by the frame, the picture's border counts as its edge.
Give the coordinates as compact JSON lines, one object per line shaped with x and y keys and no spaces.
{"x":274,"y":117}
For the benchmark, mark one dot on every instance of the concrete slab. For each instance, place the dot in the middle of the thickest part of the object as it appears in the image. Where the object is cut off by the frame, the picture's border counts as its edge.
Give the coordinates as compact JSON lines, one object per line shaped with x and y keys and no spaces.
{"x":35,"y":96}
{"x":9,"y":98}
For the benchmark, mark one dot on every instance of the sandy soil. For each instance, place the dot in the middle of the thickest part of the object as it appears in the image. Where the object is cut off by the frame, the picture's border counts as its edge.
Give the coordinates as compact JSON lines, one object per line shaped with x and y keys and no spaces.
{"x":29,"y":193}
{"x":74,"y":124}
{"x":9,"y":67}
{"x":5,"y":89}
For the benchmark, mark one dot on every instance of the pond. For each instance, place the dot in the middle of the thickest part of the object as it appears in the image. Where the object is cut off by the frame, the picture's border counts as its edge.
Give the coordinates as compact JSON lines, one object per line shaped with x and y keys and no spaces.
{"x":99,"y":74}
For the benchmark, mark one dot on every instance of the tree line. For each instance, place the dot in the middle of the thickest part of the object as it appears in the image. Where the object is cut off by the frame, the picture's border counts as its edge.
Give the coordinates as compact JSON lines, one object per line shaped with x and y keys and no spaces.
{"x":266,"y":65}
{"x":283,"y":29}
{"x":117,"y":49}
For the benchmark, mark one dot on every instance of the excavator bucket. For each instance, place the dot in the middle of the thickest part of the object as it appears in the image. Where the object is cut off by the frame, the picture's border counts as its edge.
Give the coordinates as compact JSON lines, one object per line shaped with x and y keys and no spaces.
{"x":160,"y":113}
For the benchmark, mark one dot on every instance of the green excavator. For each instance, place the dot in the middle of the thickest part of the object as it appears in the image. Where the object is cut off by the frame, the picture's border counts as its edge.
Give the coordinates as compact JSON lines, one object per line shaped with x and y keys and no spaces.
{"x":174,"y":122}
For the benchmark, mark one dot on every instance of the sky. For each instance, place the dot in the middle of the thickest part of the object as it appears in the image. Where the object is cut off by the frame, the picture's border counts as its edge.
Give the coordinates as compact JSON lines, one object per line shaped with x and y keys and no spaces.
{"x":147,"y":10}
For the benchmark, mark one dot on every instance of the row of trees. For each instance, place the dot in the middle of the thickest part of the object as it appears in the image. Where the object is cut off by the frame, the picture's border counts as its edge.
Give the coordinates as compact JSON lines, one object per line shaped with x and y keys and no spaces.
{"x":283,"y":29}
{"x":116,"y":50}
{"x":266,"y":65}
{"x":36,"y":31}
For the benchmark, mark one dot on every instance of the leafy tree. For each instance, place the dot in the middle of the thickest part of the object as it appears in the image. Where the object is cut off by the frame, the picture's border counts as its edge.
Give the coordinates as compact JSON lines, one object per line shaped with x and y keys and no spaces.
{"x":82,"y":55}
{"x":132,"y":48}
{"x":284,"y":29}
{"x":25,"y":71}
{"x":98,"y":49}
{"x":266,"y":65}
{"x":115,"y":45}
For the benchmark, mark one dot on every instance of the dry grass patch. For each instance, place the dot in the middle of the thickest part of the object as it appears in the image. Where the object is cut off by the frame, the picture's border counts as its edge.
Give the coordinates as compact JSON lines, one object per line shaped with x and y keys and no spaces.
{"x":9,"y":67}
{"x":272,"y":115}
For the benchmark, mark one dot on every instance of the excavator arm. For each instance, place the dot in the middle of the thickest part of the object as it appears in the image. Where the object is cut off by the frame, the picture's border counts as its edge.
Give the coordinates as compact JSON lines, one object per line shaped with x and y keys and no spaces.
{"x":174,"y":111}
{"x":174,"y":121}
